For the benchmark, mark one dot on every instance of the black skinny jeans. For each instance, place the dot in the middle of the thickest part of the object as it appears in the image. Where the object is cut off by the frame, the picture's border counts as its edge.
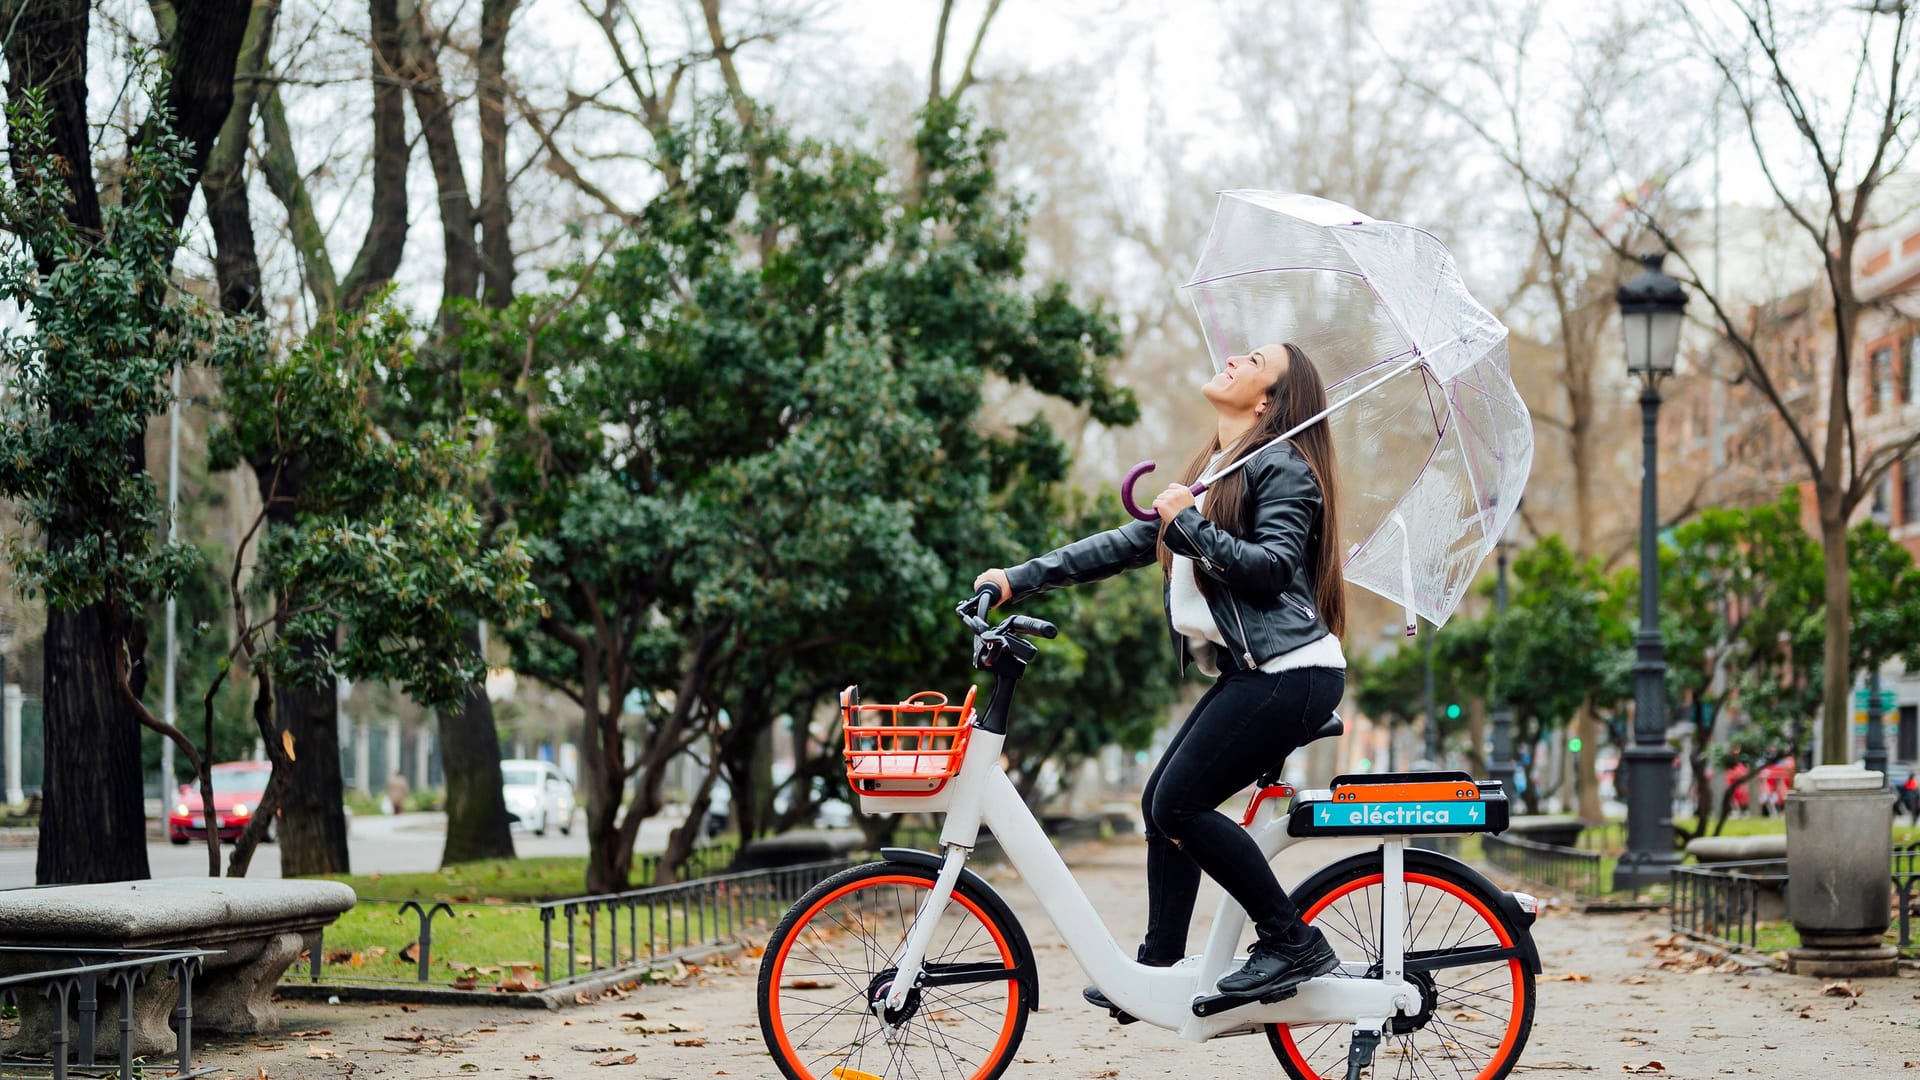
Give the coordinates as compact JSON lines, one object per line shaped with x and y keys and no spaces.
{"x":1248,"y":722}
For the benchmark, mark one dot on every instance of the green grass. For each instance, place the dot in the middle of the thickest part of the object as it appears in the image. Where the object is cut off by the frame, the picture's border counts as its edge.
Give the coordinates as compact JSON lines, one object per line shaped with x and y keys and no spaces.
{"x":1903,"y":835}
{"x":546,"y":878}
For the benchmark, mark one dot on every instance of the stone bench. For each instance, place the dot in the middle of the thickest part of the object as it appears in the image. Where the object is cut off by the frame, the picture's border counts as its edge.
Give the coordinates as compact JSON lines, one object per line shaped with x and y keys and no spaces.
{"x":259,"y":927}
{"x":1708,"y":850}
{"x":1560,"y":830}
{"x":1770,"y":900}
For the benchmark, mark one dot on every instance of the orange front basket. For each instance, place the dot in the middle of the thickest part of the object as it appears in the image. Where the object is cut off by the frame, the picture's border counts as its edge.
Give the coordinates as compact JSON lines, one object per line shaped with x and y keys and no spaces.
{"x":910,"y":749}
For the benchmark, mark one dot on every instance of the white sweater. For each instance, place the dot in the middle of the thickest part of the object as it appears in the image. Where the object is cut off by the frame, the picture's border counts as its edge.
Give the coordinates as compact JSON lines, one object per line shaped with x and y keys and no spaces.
{"x":1193,"y":619}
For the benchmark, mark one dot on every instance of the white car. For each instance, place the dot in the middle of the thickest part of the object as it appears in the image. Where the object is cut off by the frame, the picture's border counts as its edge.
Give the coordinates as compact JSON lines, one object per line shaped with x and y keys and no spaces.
{"x":538,"y":794}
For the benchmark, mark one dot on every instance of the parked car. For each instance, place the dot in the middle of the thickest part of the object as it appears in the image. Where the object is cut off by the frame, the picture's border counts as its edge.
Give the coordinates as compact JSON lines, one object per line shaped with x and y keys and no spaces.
{"x":538,"y":794}
{"x":237,"y":787}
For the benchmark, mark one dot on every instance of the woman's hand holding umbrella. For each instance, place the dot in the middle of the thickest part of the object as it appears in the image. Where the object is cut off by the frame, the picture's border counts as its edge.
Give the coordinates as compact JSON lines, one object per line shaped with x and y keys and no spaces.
{"x":1169,"y":503}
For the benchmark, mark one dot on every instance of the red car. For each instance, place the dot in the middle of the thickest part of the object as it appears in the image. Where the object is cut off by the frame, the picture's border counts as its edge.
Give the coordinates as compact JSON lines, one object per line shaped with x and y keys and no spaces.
{"x":237,"y":787}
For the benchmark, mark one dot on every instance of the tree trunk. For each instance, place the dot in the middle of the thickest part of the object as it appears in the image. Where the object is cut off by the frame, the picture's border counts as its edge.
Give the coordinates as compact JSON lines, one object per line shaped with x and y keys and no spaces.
{"x":313,"y":826}
{"x":682,"y":840}
{"x":495,"y":212}
{"x":236,"y":263}
{"x":461,"y":269}
{"x":477,"y":826}
{"x":609,"y":861}
{"x":1587,"y":780}
{"x":93,"y":822}
{"x":386,"y":235}
{"x":1836,"y":732}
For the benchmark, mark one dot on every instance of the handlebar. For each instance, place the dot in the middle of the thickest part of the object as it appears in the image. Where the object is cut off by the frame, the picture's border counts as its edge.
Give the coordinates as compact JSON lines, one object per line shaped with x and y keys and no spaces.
{"x":973,"y":611}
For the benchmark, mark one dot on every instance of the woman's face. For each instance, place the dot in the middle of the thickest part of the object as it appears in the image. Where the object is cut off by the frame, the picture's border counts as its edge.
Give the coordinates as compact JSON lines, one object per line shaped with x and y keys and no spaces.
{"x":1243,"y":385}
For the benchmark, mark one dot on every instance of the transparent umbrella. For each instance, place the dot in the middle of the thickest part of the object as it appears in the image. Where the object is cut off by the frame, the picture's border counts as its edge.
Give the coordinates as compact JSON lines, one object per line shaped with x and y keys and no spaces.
{"x":1434,"y":443}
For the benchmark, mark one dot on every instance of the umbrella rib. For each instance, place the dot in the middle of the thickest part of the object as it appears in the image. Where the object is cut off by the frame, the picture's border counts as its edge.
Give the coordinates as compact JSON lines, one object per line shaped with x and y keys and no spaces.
{"x":1274,"y":270}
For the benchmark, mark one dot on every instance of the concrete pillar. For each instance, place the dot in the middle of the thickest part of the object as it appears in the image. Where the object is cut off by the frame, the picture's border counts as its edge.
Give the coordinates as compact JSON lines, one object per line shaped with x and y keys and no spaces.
{"x":422,"y":752}
{"x":15,"y":795}
{"x":393,"y":751}
{"x":363,"y":756}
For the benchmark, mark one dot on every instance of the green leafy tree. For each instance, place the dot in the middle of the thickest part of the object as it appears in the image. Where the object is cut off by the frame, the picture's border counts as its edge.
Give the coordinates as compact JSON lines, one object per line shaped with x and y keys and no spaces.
{"x":747,"y":442}
{"x":386,"y":564}
{"x":104,"y":329}
{"x":1742,"y":611}
{"x":1559,"y":645}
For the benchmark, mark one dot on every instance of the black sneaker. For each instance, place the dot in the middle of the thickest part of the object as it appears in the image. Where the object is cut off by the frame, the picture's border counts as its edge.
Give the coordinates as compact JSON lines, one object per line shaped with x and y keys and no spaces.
{"x":1280,"y":965}
{"x":1099,"y":1000}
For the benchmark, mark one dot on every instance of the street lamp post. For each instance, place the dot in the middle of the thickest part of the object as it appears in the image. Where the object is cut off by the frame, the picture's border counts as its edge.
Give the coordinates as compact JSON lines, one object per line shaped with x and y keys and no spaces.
{"x":1502,"y":764}
{"x":1652,"y":309}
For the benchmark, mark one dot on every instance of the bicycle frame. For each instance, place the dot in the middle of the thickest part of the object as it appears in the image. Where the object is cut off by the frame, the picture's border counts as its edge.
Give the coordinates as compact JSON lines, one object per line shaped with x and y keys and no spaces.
{"x":981,"y":794}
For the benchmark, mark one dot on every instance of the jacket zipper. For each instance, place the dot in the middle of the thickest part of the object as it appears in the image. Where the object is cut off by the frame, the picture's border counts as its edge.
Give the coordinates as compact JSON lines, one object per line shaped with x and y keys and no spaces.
{"x":1246,"y":644}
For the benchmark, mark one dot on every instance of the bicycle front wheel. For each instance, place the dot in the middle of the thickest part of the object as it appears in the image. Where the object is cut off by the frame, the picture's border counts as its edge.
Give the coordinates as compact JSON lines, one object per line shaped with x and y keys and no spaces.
{"x":1475,"y":1013}
{"x":832,"y":956}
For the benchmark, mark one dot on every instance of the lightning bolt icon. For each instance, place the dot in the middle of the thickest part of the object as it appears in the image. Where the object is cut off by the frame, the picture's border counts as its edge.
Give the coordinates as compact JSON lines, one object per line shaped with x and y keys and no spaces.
{"x":1325,"y":814}
{"x":1473,"y":813}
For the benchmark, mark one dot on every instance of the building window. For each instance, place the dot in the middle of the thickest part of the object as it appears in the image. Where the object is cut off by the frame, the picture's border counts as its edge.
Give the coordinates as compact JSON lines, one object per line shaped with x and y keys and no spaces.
{"x":1882,"y":509}
{"x":1880,"y":380}
{"x":1909,"y":737}
{"x":1910,"y":490}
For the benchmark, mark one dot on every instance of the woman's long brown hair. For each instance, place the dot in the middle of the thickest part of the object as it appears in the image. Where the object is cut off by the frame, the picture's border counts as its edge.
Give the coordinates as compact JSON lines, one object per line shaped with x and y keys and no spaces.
{"x":1295,"y":396}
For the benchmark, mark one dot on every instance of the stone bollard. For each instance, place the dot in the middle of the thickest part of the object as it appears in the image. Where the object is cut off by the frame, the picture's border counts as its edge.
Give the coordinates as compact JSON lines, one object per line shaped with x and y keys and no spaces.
{"x":1839,"y":881}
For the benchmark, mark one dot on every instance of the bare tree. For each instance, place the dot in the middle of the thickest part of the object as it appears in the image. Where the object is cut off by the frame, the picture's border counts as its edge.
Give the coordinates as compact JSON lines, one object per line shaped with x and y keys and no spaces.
{"x":1827,"y":166}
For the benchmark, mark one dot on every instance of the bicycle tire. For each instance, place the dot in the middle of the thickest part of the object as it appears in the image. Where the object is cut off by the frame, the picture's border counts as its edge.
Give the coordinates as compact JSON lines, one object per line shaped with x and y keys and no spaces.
{"x":799,"y":939}
{"x":1454,"y":1020}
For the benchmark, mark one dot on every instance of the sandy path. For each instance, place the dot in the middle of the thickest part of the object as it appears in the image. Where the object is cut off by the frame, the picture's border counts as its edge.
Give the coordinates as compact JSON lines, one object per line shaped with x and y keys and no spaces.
{"x":1624,"y":1011}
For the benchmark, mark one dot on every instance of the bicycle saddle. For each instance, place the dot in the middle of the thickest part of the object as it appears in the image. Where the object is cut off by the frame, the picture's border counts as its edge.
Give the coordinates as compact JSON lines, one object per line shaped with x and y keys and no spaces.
{"x":1328,"y":728}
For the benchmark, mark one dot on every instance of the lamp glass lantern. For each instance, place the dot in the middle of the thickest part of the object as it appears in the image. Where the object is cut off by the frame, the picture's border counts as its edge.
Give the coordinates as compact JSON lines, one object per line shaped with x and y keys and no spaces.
{"x":1652,"y":310}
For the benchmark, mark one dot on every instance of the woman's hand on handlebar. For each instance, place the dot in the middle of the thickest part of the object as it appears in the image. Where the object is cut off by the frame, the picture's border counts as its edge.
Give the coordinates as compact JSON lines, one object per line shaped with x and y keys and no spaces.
{"x":997,"y":578}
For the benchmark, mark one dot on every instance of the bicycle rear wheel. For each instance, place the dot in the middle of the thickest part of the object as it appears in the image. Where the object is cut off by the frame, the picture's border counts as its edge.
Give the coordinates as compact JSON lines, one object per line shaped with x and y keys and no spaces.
{"x":1475,"y":1012}
{"x":831,"y":956}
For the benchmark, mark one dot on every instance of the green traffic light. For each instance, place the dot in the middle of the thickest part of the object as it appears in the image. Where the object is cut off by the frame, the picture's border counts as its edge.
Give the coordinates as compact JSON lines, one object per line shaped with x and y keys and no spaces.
{"x":1453,"y":712}
{"x":1573,"y":744}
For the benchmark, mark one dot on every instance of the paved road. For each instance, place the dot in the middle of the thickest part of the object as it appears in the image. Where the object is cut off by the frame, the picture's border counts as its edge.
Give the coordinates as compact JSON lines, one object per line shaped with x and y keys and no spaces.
{"x":376,"y":844}
{"x":1614,"y":1001}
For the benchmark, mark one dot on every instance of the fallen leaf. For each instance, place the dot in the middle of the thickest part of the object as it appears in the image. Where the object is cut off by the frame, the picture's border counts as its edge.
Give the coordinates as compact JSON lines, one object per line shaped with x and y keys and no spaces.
{"x":1467,"y":1017}
{"x":309,"y":1034}
{"x":627,"y":1060}
{"x":665,"y":1027}
{"x":1572,"y":976}
{"x":1841,"y":989}
{"x":1635,"y":980}
{"x":1106,"y":1073}
{"x":633,"y":1016}
{"x":409,"y":1036}
{"x":465,"y":982}
{"x":484,"y":1030}
{"x":589,"y":1048}
{"x":410,"y":954}
{"x":1649,"y":1067}
{"x":321,"y":1052}
{"x":698,"y":1040}
{"x":808,"y":984}
{"x":530,"y":1057}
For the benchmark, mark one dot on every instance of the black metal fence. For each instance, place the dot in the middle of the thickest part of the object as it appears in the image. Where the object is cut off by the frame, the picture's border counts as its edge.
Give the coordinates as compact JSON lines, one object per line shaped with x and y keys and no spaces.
{"x":1575,"y":870}
{"x":1726,"y":903}
{"x":575,"y":939}
{"x":72,"y":984}
{"x":1906,"y":896}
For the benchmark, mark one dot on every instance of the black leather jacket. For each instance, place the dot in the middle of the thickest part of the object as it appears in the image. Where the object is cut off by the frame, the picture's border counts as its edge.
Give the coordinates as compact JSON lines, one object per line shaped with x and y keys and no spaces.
{"x":1267,"y":607}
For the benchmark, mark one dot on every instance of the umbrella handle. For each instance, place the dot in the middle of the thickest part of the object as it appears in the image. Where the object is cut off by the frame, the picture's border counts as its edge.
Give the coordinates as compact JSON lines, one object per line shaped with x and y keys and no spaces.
{"x":1126,"y":492}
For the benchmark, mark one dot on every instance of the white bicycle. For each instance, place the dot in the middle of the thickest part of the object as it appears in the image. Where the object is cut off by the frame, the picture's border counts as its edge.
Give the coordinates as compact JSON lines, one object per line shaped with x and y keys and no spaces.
{"x":913,"y":967}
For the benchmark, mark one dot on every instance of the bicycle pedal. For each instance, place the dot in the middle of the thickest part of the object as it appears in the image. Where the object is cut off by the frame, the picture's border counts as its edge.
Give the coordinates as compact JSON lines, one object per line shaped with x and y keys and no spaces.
{"x":1219,"y":1003}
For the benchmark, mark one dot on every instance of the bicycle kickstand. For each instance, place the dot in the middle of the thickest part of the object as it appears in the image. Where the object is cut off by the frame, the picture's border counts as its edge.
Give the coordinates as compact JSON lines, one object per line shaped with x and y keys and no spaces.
{"x":1360,"y":1054}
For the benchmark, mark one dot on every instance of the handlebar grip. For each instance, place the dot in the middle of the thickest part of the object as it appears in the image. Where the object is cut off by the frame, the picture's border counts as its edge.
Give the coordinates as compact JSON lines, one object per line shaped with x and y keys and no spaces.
{"x":1027,"y":624}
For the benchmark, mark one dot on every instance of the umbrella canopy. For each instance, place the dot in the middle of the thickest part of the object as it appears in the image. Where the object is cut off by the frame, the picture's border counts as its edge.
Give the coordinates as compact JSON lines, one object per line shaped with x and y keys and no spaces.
{"x":1434,"y":443}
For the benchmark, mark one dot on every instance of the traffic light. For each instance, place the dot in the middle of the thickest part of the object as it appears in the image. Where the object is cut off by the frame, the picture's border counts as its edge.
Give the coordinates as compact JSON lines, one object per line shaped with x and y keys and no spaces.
{"x":1453,"y":712}
{"x":1573,"y":744}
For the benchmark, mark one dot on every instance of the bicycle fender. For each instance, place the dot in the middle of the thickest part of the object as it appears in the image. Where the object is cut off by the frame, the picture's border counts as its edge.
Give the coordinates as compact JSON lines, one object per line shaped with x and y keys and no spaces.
{"x":978,"y":888}
{"x":1421,"y":858}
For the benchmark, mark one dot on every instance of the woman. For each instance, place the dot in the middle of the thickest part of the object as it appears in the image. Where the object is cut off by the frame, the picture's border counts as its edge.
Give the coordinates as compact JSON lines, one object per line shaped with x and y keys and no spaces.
{"x":1254,"y":596}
